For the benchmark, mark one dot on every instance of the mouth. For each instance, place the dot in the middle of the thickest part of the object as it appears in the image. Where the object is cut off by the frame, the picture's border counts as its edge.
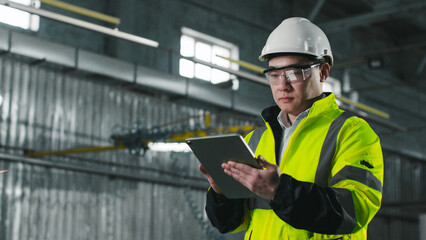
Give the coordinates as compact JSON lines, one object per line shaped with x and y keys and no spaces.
{"x":285,"y":99}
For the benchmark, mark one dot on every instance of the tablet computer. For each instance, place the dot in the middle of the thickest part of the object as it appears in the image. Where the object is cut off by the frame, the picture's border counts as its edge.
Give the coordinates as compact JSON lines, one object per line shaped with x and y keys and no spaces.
{"x":212,"y":151}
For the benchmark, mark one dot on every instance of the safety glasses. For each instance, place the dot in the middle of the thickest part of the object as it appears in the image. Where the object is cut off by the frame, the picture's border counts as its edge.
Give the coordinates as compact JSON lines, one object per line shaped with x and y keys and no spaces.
{"x":292,"y":74}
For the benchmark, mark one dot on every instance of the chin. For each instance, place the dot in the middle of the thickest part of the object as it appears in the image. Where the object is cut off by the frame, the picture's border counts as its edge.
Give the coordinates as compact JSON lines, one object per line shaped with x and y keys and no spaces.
{"x":285,"y":108}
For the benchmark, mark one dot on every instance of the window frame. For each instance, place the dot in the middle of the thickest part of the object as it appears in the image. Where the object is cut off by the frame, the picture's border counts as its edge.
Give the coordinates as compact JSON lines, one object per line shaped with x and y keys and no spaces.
{"x":199,"y":37}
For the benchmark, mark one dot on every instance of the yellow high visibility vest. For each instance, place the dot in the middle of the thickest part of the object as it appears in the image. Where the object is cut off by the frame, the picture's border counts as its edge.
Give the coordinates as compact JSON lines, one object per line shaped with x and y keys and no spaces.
{"x":344,"y":157}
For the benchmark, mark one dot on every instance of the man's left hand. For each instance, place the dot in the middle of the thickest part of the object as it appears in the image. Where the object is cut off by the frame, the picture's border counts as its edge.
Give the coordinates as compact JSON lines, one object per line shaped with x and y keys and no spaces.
{"x":262,"y":182}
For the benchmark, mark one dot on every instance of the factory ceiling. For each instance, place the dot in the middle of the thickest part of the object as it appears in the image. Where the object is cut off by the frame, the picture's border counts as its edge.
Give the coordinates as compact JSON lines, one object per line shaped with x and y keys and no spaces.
{"x":379,"y":48}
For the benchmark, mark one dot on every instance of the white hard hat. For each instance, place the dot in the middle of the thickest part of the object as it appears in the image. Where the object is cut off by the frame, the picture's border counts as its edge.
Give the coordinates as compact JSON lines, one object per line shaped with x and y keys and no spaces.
{"x":297,"y":35}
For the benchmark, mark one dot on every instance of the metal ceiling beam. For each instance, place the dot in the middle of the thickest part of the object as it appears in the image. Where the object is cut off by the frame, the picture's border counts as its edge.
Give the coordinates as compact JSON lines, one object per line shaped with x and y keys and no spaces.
{"x":368,"y":18}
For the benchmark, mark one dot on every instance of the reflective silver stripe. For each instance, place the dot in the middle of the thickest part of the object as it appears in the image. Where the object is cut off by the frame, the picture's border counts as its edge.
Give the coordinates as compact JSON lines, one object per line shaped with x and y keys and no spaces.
{"x":255,"y":138}
{"x":258,"y":203}
{"x":349,"y":220}
{"x":328,"y":149}
{"x":357,"y":174}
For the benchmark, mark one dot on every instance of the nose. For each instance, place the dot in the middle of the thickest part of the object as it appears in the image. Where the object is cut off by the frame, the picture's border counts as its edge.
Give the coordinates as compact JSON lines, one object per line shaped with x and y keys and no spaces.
{"x":284,"y":84}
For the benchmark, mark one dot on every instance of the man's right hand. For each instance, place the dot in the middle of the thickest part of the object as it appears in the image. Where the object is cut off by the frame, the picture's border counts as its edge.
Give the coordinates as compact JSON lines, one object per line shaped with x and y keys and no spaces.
{"x":210,"y":179}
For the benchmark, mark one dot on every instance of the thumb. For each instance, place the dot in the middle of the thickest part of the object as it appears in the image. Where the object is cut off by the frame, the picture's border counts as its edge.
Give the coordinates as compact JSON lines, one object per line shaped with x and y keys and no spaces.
{"x":262,"y":161}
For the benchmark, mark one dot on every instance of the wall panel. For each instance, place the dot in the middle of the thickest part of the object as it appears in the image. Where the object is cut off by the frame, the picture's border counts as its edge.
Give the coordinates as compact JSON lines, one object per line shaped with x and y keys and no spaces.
{"x":97,"y":195}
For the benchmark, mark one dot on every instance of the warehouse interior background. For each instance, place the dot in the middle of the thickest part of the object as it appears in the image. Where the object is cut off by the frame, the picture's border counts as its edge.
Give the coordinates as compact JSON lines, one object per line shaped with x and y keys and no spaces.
{"x":96,"y":98}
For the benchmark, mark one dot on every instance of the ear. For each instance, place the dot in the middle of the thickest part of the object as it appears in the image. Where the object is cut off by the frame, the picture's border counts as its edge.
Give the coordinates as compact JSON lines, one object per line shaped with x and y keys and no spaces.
{"x":324,"y":71}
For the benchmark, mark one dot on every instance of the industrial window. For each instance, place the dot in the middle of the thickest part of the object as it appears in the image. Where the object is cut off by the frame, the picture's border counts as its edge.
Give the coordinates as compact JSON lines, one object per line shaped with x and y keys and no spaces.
{"x":20,"y":18}
{"x":207,"y":48}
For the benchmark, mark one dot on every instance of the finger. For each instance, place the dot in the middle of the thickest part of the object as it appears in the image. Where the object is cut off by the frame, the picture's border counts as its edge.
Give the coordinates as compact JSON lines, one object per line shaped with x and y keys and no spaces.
{"x":230,"y":169}
{"x":206,"y":174}
{"x":244,"y":168}
{"x":210,"y":179}
{"x":242,"y":173}
{"x":236,"y":174}
{"x":202,"y":169}
{"x":262,"y":161}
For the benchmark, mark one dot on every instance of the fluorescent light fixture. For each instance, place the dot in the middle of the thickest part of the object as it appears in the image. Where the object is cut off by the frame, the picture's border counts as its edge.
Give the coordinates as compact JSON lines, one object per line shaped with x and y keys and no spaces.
{"x":82,"y":24}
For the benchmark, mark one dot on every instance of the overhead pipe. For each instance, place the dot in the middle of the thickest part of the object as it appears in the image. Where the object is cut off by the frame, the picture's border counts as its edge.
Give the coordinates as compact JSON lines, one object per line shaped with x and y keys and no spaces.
{"x":175,"y":181}
{"x":363,"y":107}
{"x":82,"y":11}
{"x":245,"y":75}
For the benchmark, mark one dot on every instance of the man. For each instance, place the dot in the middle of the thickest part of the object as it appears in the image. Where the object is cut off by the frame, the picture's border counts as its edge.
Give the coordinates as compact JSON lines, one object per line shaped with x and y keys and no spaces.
{"x":322,"y":170}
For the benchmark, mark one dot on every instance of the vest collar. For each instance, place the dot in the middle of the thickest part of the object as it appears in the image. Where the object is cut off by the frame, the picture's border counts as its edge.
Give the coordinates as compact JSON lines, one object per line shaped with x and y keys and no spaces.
{"x":326,"y":104}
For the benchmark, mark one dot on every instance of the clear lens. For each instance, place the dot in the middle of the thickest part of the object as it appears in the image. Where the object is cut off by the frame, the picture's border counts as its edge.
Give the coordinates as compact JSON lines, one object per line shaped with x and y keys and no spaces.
{"x":291,"y":75}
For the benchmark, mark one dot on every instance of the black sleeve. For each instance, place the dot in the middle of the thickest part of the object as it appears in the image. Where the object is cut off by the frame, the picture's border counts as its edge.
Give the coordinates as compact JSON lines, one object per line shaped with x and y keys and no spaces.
{"x":224,"y":214}
{"x":308,"y":206}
